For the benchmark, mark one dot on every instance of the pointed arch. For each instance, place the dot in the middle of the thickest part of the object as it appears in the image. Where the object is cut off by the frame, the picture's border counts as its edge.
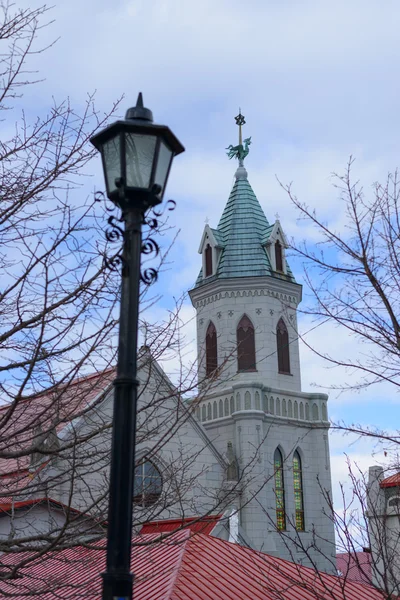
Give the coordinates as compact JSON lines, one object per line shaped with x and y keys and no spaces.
{"x":208,"y":260}
{"x":298,"y":491}
{"x":246,"y":348}
{"x":279,"y":490}
{"x":211,"y":350}
{"x":282,"y":344}
{"x":278,"y":256}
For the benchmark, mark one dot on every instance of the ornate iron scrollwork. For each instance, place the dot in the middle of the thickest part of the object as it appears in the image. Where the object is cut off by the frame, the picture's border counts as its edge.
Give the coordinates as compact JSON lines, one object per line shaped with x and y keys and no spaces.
{"x":149,"y":245}
{"x":115,"y":233}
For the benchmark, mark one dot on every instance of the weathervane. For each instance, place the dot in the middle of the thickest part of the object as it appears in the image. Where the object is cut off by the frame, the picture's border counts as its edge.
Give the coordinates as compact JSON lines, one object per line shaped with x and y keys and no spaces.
{"x":239,"y":151}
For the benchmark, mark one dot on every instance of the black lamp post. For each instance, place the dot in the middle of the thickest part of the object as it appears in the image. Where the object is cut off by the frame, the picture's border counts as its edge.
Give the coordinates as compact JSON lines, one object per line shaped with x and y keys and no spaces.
{"x":137,"y":156}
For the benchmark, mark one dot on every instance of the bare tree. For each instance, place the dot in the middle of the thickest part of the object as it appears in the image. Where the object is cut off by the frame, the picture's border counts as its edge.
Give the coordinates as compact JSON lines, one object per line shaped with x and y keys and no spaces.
{"x":354,"y":276}
{"x":354,"y":279}
{"x":58,"y":321}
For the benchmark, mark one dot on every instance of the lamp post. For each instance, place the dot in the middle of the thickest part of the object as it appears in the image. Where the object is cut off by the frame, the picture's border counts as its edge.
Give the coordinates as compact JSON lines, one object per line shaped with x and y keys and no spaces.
{"x":137,"y":156}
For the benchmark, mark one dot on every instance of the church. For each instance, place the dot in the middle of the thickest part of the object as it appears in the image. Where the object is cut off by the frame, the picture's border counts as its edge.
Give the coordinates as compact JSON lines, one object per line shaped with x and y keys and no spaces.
{"x":249,"y":453}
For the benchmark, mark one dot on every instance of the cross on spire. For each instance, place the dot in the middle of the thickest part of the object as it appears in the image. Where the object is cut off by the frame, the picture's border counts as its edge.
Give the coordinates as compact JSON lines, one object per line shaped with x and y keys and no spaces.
{"x":240,"y":120}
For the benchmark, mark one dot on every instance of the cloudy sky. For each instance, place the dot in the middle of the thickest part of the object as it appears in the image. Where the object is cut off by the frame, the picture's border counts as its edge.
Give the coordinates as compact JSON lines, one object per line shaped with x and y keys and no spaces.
{"x":317,"y":81}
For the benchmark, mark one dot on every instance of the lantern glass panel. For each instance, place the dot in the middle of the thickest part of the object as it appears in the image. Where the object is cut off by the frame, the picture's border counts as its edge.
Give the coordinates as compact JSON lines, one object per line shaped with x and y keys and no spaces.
{"x":164,"y":161}
{"x":139,"y":152}
{"x":112,"y":162}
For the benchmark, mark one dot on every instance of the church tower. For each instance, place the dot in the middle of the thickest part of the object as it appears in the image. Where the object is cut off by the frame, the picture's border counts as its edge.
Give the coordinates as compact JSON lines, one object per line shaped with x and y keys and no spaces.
{"x":246,"y":300}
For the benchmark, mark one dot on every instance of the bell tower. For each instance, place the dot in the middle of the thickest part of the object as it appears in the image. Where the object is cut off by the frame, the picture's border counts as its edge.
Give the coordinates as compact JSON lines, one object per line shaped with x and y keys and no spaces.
{"x":246,"y":299}
{"x":246,"y":293}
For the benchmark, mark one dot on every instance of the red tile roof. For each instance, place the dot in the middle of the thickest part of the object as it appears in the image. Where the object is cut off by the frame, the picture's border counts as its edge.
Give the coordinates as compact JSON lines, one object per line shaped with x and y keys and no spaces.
{"x":355,"y":566}
{"x":8,"y":504}
{"x":204,"y":525}
{"x":392,"y":481}
{"x":182,"y":567}
{"x":19,"y":423}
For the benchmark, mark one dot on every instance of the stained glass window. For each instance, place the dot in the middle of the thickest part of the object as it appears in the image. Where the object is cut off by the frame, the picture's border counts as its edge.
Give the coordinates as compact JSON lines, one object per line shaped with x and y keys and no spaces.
{"x":279,"y":491}
{"x":298,"y":492}
{"x":148,"y":484}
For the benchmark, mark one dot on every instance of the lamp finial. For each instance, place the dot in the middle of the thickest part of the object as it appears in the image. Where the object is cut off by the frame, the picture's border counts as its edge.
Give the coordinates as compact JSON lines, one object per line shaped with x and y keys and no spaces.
{"x":138,"y":111}
{"x":139,"y":101}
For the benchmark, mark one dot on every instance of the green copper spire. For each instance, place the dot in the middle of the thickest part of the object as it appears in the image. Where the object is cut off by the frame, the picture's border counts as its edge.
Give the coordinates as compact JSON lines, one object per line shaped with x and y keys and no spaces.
{"x":241,"y":238}
{"x":239,"y":151}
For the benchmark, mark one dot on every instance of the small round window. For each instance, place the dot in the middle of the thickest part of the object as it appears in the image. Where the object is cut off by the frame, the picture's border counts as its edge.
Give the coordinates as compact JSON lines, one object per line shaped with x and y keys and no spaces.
{"x":148,"y":484}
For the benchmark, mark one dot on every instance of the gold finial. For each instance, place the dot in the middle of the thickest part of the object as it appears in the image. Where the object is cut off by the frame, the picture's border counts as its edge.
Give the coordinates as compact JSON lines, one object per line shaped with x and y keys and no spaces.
{"x":240,"y":121}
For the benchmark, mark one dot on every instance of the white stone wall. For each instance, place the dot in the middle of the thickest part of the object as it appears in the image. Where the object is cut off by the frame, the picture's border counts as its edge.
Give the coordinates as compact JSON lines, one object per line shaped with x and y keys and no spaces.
{"x":192,"y":470}
{"x":264,"y":300}
{"x":255,"y":436}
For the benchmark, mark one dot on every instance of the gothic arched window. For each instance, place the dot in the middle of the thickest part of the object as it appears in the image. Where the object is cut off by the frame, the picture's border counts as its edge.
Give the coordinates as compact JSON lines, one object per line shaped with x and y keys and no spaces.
{"x":278,"y":256}
{"x":246,"y":348}
{"x":279,"y":490}
{"x":282,"y":344}
{"x":211,"y":350}
{"x":298,"y":491}
{"x":148,"y":484}
{"x":208,"y":260}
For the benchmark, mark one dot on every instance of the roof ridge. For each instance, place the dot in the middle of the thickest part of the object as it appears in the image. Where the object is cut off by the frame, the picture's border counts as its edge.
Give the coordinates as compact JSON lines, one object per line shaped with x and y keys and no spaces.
{"x":177,"y":567}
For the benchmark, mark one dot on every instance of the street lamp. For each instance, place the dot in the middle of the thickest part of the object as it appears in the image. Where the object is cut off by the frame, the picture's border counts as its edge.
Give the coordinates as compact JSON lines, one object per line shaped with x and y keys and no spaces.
{"x":137,"y":156}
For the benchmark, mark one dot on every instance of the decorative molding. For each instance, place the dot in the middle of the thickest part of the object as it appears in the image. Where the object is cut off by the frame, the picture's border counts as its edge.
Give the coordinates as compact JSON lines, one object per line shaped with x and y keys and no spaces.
{"x":258,"y":311}
{"x":245,"y":294}
{"x":230,"y":313}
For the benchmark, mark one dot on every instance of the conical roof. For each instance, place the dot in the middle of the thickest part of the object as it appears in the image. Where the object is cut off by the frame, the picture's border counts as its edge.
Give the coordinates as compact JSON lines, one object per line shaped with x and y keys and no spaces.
{"x":242,"y":229}
{"x":242,"y":233}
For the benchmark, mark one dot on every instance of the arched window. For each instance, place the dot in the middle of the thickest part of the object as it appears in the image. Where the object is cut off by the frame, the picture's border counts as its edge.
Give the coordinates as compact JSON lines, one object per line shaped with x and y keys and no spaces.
{"x":211,"y":350}
{"x":282,"y":343}
{"x":226,"y":407}
{"x":279,"y":491}
{"x":278,"y":256}
{"x":148,"y":484}
{"x":298,"y":491}
{"x":208,"y":260}
{"x":245,"y":345}
{"x":221,"y":409}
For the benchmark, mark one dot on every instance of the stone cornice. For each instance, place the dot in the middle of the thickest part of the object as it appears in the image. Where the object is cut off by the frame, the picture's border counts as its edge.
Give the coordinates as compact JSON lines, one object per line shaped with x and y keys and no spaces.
{"x":245,"y":385}
{"x":245,"y":286}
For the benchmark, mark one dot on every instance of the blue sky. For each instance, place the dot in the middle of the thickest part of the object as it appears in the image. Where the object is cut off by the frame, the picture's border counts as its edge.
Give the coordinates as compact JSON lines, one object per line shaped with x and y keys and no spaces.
{"x":317,"y":81}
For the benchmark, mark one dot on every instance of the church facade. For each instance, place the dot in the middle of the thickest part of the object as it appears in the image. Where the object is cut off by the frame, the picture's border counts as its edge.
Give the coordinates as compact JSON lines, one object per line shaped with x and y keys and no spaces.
{"x":251,"y":448}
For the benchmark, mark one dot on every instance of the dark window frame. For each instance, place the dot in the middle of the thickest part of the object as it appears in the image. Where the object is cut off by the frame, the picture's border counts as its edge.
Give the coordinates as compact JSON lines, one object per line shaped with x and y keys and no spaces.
{"x":282,"y":345}
{"x":211,"y":350}
{"x":278,"y":256}
{"x":246,"y":345}
{"x":208,"y":261}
